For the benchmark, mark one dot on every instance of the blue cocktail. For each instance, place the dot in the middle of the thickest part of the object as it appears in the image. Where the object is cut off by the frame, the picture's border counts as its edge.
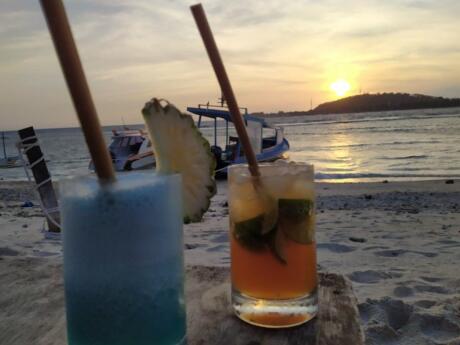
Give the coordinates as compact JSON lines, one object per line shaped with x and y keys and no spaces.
{"x":123,"y":260}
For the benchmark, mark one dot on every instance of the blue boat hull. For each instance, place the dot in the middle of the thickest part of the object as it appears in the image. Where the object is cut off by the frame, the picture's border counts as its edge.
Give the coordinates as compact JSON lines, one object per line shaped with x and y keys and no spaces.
{"x":267,"y":155}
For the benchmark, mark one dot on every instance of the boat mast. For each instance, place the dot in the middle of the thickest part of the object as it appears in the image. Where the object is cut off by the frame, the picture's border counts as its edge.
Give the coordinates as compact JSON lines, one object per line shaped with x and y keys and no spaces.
{"x":222,"y":100}
{"x":124,"y":124}
{"x":4,"y":147}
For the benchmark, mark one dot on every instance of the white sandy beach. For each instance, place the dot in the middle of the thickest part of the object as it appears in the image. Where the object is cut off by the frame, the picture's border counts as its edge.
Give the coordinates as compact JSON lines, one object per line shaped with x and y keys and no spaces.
{"x":398,"y":242}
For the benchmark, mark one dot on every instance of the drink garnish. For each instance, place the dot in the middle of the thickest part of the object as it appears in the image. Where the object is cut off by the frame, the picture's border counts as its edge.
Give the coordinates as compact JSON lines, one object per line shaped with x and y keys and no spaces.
{"x":271,"y":210}
{"x":294,"y":219}
{"x":276,"y":245}
{"x":249,"y":233}
{"x":298,"y":232}
{"x":179,"y":147}
{"x":295,"y":209}
{"x":294,"y":223}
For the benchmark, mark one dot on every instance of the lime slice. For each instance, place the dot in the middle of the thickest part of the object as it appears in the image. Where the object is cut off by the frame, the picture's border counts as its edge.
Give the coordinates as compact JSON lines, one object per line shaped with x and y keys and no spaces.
{"x":271,"y":211}
{"x":249,"y":233}
{"x":302,"y":232}
{"x":295,"y":209}
{"x":276,"y":244}
{"x":179,"y":147}
{"x":296,"y":219}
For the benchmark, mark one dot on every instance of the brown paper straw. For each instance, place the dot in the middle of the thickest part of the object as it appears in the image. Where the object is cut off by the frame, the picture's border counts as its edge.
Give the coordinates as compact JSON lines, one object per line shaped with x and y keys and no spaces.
{"x":221,"y":74}
{"x":66,"y":49}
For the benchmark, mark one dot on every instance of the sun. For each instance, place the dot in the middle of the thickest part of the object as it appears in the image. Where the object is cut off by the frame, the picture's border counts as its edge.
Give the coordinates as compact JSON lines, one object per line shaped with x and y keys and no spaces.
{"x":340,"y":87}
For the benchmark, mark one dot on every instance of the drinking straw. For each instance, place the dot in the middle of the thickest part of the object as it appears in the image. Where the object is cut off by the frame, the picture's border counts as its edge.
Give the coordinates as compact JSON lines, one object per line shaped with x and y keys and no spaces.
{"x":224,"y":82}
{"x":66,"y":50}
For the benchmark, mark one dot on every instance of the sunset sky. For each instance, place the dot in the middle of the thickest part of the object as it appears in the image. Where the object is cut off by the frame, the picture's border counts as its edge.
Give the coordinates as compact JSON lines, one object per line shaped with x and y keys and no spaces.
{"x":279,"y":54}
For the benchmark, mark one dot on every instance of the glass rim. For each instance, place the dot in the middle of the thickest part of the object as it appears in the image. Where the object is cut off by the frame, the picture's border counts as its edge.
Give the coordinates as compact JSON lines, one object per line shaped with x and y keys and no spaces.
{"x":68,"y":185}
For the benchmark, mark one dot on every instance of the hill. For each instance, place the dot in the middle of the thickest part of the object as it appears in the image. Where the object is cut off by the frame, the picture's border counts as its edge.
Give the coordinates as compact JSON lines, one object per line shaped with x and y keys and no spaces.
{"x":383,"y":102}
{"x":375,"y":102}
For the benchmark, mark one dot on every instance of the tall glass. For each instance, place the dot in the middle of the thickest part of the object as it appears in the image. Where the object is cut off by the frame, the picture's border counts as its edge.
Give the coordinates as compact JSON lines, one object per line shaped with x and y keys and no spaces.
{"x":123,"y":260}
{"x":274,"y":279}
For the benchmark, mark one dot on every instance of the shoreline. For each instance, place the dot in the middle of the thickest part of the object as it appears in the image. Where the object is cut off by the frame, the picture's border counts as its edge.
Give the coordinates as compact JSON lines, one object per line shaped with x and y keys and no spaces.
{"x":345,"y":180}
{"x":397,"y":242}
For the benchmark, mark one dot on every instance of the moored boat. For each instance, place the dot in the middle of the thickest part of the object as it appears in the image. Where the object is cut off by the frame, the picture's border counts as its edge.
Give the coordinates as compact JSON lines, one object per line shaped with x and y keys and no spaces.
{"x":268,"y":141}
{"x":131,"y":149}
{"x":8,"y":161}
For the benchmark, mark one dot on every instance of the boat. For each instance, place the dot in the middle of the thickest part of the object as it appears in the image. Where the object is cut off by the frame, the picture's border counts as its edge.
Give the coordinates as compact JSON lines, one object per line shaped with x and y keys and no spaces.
{"x":131,"y":149}
{"x":8,"y":161}
{"x":268,"y":142}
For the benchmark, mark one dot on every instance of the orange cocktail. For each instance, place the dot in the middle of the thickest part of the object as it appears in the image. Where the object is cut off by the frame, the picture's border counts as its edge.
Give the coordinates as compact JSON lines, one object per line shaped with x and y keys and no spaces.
{"x":273,"y":249}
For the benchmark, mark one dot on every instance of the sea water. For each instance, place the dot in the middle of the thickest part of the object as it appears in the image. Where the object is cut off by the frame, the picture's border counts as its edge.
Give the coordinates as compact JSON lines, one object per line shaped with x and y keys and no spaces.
{"x":420,"y":144}
{"x":123,"y":261}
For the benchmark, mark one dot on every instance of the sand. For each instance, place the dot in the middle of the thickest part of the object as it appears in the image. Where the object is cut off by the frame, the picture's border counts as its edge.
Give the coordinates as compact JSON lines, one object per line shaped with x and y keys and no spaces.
{"x":397,"y":242}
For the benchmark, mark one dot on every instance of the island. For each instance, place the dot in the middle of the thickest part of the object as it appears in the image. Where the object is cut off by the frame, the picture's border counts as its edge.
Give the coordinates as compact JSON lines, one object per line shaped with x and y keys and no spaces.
{"x":373,"y":102}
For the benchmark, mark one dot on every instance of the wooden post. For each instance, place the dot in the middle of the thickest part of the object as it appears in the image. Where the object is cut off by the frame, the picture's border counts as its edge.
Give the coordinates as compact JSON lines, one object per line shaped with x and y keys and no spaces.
{"x":4,"y":147}
{"x":41,"y":174}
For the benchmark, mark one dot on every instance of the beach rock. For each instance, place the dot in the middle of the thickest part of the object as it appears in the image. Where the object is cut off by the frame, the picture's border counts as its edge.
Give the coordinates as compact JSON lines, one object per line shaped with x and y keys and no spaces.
{"x":190,"y":246}
{"x":27,"y":204}
{"x":357,"y":239}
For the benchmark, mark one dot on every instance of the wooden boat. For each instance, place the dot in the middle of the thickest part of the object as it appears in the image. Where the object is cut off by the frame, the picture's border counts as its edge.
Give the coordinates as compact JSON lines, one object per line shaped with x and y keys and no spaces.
{"x":131,"y":149}
{"x":267,"y":141}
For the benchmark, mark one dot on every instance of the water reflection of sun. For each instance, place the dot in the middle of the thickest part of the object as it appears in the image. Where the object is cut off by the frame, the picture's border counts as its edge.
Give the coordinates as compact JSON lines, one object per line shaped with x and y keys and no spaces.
{"x":341,"y":157}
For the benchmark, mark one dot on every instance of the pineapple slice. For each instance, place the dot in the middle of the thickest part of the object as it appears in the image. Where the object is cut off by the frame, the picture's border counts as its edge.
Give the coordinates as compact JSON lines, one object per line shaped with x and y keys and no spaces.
{"x":180,"y":147}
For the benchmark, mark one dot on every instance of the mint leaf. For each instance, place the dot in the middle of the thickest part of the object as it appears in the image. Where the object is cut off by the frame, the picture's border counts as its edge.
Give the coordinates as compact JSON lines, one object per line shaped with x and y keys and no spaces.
{"x":295,"y":219}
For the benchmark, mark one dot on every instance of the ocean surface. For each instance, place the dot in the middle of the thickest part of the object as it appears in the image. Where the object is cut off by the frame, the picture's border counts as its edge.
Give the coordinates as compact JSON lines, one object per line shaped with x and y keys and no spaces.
{"x":393,"y":145}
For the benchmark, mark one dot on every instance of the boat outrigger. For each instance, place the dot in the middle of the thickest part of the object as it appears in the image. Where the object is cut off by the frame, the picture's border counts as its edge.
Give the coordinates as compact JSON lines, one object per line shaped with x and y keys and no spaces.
{"x":8,"y":161}
{"x":131,"y":149}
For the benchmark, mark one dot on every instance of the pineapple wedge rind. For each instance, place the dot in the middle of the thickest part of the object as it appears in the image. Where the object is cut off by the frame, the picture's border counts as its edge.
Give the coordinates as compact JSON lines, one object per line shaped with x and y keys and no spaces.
{"x":180,"y":147}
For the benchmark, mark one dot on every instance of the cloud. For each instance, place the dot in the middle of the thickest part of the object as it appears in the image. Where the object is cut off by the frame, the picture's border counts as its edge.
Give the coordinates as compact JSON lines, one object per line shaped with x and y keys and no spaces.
{"x":277,"y":53}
